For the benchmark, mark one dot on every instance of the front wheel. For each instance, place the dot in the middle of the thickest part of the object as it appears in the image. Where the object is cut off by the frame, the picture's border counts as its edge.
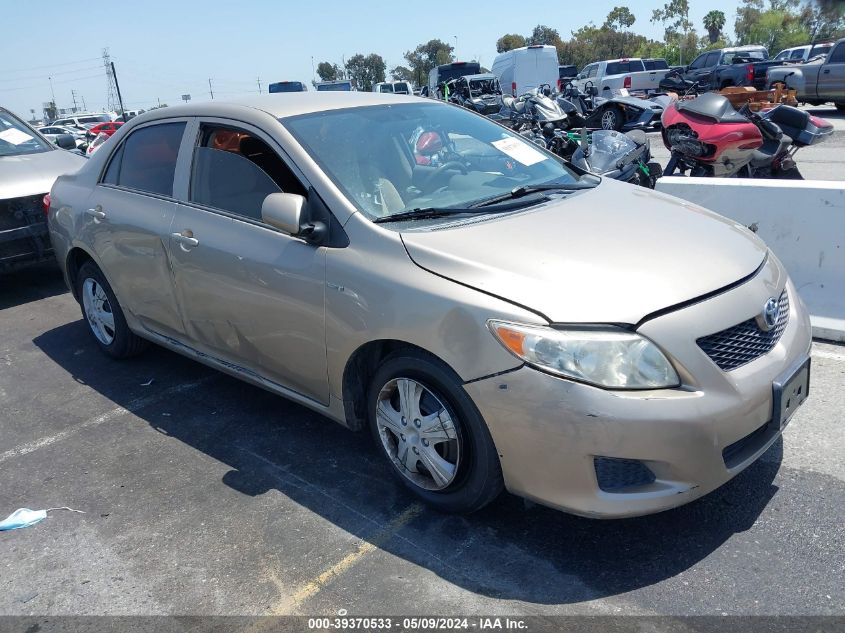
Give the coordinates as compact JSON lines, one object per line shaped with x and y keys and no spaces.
{"x":431,"y":433}
{"x":612,"y":119}
{"x":104,"y":315}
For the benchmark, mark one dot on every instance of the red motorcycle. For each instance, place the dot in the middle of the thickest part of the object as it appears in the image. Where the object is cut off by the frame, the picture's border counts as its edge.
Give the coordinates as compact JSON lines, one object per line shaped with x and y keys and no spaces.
{"x":708,"y":137}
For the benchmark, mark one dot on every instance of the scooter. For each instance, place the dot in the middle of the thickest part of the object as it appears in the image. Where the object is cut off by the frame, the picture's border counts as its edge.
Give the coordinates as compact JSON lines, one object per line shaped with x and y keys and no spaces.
{"x":708,"y":137}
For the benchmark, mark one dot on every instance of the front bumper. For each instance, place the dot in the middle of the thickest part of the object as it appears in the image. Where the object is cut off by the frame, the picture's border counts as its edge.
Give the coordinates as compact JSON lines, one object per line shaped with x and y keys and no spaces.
{"x":549,"y":431}
{"x":24,"y":237}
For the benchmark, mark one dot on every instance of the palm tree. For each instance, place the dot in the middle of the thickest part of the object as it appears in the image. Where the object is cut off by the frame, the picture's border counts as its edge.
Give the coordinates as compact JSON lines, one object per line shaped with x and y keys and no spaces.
{"x":713,"y":22}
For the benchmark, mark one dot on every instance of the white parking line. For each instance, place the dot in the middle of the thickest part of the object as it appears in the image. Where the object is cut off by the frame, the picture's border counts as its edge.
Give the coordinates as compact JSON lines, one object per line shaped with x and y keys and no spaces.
{"x":135,"y":405}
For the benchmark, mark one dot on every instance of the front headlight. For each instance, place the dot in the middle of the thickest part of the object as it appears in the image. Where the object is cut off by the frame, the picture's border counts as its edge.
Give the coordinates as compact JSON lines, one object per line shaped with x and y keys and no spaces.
{"x":607,"y":356}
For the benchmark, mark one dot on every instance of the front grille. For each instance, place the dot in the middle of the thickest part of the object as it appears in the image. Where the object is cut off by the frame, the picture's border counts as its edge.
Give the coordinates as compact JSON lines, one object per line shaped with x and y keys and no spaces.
{"x":742,"y":343}
{"x":613,"y":474}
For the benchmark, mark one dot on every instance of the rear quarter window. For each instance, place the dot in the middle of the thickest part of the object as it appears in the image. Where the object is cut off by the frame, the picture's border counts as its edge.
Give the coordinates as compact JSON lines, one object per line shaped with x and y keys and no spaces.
{"x":146,"y":160}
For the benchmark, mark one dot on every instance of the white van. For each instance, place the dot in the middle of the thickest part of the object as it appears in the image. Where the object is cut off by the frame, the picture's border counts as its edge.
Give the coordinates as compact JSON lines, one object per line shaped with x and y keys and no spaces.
{"x":393,"y":87}
{"x":524,"y":69}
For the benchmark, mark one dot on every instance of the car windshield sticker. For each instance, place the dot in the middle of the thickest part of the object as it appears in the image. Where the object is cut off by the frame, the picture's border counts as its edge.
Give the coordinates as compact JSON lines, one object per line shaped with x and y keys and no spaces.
{"x":15,"y":137}
{"x":520,"y":151}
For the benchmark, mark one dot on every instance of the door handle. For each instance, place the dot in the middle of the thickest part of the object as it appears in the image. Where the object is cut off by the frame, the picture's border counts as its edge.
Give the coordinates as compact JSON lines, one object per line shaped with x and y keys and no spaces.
{"x":826,"y":71}
{"x":185,"y":238}
{"x":97,"y":213}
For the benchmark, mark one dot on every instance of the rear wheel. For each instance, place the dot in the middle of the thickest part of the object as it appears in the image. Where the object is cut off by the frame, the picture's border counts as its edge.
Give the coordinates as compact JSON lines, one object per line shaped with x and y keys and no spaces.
{"x":789,"y":174}
{"x":431,"y":434}
{"x":104,"y":316}
{"x":612,"y":119}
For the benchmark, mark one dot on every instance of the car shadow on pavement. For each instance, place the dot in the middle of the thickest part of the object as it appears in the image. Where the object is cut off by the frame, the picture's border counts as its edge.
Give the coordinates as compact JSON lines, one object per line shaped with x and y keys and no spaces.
{"x":509,"y":550}
{"x":30,"y":284}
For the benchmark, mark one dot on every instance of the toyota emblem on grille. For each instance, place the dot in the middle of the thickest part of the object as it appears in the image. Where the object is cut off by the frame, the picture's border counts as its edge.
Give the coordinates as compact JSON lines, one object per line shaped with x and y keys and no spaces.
{"x":770,"y":314}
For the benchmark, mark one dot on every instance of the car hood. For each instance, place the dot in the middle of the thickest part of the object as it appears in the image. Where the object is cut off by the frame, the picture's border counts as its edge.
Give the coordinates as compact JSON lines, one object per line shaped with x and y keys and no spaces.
{"x":613,"y":254}
{"x":30,"y":174}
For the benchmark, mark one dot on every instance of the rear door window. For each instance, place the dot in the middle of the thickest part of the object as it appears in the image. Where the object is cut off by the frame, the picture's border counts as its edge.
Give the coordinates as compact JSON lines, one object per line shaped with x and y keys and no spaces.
{"x":630,"y":66}
{"x":234,"y":170}
{"x":146,"y":160}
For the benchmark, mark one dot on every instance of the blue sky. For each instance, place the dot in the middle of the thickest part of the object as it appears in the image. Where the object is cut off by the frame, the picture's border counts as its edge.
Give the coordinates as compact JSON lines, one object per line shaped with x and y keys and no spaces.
{"x":164,"y":49}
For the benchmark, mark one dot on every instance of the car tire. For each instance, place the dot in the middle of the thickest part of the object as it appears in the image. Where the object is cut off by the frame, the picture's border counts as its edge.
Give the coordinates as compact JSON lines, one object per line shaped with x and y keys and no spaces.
{"x":468,"y":475}
{"x":104,"y":316}
{"x":612,"y":119}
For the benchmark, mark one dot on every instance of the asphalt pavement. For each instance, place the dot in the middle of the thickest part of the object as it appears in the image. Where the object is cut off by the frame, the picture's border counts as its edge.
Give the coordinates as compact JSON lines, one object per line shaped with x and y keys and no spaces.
{"x":203,"y":495}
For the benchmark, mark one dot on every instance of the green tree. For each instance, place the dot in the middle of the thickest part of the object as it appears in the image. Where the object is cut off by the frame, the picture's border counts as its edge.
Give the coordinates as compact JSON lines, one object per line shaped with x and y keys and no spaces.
{"x":619,"y":19}
{"x":543,"y":34}
{"x":677,"y":27}
{"x":329,"y":72}
{"x":426,"y":56}
{"x":714,"y":22}
{"x":823,"y":19}
{"x":509,"y":41}
{"x":777,"y":29}
{"x":402,"y":73}
{"x":747,"y":15}
{"x":364,"y":71}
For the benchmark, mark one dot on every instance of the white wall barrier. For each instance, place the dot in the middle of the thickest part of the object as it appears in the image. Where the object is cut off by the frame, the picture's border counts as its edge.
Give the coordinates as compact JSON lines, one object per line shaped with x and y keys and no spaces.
{"x":803,"y":222}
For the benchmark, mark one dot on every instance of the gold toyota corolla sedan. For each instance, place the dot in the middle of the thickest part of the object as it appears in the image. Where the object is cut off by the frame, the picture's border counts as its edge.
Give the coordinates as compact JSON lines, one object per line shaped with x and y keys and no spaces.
{"x":496,"y":318}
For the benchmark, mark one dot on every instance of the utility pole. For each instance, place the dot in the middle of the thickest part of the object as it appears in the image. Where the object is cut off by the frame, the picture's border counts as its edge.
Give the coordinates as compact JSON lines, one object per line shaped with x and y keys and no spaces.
{"x":456,"y":47}
{"x":84,"y":107}
{"x":313,"y":76}
{"x":117,"y":87}
{"x":210,"y":91}
{"x":259,"y":84}
{"x":73,"y":94}
{"x":51,"y":91}
{"x":159,"y":102}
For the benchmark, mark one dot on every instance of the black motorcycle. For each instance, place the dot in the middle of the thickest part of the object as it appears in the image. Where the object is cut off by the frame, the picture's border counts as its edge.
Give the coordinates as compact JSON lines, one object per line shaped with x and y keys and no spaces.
{"x":620,"y":156}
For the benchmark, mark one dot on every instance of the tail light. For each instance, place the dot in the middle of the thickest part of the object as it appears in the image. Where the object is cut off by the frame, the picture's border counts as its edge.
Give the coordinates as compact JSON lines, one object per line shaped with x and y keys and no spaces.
{"x":626,"y":83}
{"x":45,"y":203}
{"x":513,"y":88}
{"x":749,"y":73}
{"x":559,"y":85}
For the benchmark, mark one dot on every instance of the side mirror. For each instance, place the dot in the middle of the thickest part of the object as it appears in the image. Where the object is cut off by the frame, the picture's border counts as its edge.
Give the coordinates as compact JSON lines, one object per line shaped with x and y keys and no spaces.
{"x":283,"y":211}
{"x":66,"y":141}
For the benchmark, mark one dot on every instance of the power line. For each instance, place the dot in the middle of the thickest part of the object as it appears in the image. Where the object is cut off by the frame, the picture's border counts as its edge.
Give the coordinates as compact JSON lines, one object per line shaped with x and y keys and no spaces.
{"x":61,"y":72}
{"x":20,"y":70}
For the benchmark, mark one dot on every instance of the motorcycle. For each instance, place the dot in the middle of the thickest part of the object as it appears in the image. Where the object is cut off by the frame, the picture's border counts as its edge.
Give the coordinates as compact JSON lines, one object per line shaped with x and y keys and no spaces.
{"x":533,"y":109}
{"x":587,"y":109}
{"x":674,"y":81}
{"x":707,"y":136}
{"x":612,"y":154}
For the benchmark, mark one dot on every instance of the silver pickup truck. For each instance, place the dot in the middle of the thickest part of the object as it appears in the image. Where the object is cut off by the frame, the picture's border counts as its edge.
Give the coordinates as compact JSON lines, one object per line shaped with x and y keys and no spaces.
{"x":819,"y":81}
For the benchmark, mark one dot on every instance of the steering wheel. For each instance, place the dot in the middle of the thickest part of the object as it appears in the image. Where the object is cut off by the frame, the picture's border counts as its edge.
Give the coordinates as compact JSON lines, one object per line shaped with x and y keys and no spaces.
{"x":452,"y":164}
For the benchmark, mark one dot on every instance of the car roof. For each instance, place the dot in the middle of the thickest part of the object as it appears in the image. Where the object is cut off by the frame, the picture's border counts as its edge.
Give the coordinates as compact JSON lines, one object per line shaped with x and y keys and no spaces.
{"x":280,"y":105}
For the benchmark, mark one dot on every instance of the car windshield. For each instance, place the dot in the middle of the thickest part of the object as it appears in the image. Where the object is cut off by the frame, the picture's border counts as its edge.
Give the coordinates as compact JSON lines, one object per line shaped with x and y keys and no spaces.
{"x":390,"y":159}
{"x":340,"y":86}
{"x":17,"y":138}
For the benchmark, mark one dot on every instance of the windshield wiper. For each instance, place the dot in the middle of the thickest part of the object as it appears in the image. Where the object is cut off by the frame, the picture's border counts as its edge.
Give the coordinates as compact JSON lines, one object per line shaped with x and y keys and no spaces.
{"x":524,"y":190}
{"x":424,"y":213}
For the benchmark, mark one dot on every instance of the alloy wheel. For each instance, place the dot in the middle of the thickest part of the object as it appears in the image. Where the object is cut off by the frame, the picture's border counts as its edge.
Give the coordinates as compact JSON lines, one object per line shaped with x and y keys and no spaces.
{"x":608,"y":120}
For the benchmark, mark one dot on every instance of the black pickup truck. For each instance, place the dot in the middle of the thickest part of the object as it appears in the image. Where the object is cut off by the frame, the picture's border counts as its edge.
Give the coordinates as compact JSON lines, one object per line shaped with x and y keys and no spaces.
{"x":735,"y":66}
